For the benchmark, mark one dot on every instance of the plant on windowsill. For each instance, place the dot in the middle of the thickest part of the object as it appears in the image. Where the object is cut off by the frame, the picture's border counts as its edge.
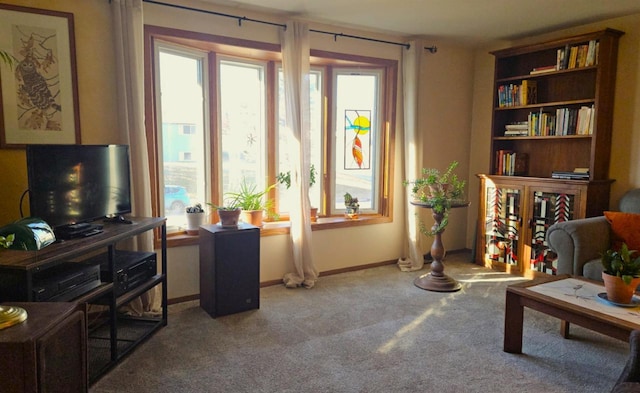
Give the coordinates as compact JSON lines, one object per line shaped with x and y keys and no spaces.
{"x":439,"y":191}
{"x":253,"y":202}
{"x":284,"y":178}
{"x":621,"y":274}
{"x":352,"y":206}
{"x":195,"y":217}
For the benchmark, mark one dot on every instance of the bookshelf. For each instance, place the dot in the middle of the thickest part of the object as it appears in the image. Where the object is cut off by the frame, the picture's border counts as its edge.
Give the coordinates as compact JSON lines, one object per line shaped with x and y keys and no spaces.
{"x":552,"y":113}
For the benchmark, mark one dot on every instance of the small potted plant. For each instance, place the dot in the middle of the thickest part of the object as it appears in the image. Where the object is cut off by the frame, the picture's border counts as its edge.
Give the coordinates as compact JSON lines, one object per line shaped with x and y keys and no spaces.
{"x":284,"y":178}
{"x":195,"y":218}
{"x":621,"y":274}
{"x":252,"y":201}
{"x":438,"y":190}
{"x":352,"y":206}
{"x":229,"y":214}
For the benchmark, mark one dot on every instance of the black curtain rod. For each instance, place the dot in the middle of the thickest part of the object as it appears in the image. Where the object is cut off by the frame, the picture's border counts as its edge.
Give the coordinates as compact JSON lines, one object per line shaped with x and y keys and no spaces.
{"x":240,"y":19}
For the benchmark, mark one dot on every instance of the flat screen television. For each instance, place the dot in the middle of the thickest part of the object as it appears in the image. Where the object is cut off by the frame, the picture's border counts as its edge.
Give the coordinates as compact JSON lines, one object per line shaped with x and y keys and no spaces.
{"x":71,"y":184}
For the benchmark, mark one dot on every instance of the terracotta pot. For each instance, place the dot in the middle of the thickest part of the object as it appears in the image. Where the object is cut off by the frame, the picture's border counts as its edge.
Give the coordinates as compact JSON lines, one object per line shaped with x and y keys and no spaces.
{"x":314,"y":214}
{"x":617,"y":290}
{"x":229,"y":218}
{"x":253,"y":217}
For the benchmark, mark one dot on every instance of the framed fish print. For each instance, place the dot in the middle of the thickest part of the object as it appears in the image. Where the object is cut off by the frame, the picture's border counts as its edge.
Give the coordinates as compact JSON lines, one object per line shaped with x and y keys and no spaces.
{"x":38,"y":85}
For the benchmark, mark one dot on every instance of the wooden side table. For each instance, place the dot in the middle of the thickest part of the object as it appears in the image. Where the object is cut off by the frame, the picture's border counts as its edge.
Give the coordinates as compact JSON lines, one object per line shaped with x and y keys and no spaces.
{"x":436,"y":280}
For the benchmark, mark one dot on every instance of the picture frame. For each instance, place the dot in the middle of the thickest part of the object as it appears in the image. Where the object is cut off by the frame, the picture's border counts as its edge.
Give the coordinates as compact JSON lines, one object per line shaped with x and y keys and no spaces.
{"x":39,"y":92}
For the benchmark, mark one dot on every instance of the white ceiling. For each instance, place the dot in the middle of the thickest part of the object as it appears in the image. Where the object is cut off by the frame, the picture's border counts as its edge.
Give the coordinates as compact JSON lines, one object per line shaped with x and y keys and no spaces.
{"x":467,"y":20}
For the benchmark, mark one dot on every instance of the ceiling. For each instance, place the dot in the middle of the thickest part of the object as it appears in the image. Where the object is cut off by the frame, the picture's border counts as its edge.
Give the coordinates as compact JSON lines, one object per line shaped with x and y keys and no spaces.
{"x":466,"y":20}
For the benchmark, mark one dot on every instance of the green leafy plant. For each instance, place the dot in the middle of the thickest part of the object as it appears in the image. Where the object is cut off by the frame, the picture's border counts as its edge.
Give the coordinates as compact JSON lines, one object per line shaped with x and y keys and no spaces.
{"x":285,"y":177}
{"x":7,"y":241}
{"x":351,"y":202}
{"x":621,"y":263}
{"x":438,"y":190}
{"x":250,"y":198}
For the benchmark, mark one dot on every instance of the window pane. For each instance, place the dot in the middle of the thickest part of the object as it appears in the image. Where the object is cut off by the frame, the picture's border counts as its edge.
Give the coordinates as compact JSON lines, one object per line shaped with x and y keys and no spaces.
{"x":284,"y":158}
{"x":183,"y":138}
{"x":356,"y":154}
{"x":243,"y":124}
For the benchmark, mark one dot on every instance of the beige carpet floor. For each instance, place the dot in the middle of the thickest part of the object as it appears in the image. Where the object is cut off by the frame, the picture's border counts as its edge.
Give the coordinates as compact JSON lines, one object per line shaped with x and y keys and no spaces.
{"x":369,"y":331}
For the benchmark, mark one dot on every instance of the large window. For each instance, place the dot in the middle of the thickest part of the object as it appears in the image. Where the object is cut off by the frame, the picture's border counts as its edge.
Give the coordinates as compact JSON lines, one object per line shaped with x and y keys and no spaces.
{"x":220,"y":117}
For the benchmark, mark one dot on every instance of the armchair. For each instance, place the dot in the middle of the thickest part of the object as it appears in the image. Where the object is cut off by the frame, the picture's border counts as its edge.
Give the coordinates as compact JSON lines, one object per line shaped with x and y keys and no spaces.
{"x":580,"y":243}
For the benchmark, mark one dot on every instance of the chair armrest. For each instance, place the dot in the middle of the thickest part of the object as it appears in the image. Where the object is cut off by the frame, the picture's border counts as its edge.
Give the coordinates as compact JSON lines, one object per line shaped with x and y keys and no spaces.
{"x":578,"y":241}
{"x":631,"y":372}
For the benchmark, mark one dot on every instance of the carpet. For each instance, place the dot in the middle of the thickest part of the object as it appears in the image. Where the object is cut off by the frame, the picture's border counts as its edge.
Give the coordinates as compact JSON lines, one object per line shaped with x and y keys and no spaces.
{"x":369,"y":331}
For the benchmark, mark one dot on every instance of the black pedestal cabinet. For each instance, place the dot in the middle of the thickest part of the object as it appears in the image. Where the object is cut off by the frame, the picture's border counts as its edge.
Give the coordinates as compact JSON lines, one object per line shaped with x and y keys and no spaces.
{"x":229,"y":269}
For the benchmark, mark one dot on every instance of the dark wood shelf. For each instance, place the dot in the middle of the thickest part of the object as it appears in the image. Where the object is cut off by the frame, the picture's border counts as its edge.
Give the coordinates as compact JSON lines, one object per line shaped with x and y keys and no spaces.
{"x":516,"y":210}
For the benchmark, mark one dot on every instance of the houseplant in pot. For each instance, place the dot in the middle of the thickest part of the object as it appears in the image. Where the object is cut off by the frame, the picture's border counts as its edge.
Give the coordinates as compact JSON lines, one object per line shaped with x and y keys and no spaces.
{"x":195,"y":218}
{"x":229,"y":213}
{"x":621,"y":274}
{"x":284,"y":178}
{"x":438,"y":190}
{"x":352,"y":206}
{"x":252,"y":201}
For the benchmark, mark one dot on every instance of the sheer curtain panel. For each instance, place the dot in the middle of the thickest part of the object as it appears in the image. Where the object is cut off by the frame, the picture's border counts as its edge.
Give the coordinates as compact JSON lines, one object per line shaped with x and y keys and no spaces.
{"x":295,"y":64}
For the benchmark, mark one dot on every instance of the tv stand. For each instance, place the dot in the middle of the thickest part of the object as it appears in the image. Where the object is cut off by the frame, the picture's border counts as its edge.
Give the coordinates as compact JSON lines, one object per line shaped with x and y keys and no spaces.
{"x":119,"y":219}
{"x":111,"y":334}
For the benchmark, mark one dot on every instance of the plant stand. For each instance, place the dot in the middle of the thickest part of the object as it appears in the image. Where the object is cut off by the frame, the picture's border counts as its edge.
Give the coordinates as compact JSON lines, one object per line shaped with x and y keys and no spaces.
{"x":436,"y":280}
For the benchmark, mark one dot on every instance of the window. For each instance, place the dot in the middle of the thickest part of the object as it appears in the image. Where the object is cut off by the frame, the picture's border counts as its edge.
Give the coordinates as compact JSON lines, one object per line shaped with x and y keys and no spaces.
{"x":180,"y":83}
{"x":220,"y":114}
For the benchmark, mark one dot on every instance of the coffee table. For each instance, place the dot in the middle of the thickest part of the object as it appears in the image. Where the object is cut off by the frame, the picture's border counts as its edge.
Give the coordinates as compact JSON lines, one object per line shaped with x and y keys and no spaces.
{"x":572,"y":300}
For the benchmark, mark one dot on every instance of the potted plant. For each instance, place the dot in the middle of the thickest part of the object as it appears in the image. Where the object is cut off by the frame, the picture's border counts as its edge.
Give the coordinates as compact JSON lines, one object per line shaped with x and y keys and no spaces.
{"x":621,"y":274}
{"x":195,"y":218}
{"x":284,"y":178}
{"x":229,"y":214}
{"x":352,"y":206}
{"x":252,"y":201}
{"x":438,"y":190}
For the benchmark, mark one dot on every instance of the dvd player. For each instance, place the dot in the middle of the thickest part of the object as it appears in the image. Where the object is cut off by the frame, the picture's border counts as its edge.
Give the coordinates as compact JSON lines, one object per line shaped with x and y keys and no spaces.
{"x":132,"y":268}
{"x":65,"y":282}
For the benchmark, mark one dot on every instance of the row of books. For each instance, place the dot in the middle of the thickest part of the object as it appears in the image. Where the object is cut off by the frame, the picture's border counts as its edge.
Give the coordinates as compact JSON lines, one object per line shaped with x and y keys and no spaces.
{"x":510,"y":163}
{"x":511,"y":95}
{"x":576,"y":56}
{"x":565,"y":121}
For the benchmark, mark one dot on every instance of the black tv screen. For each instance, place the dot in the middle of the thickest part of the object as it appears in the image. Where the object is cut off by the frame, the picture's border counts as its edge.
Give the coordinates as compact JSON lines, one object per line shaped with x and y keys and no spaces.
{"x":70,"y":184}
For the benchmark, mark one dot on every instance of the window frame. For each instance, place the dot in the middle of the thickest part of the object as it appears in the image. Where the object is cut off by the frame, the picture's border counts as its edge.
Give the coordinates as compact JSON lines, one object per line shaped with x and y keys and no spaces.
{"x":216,"y":45}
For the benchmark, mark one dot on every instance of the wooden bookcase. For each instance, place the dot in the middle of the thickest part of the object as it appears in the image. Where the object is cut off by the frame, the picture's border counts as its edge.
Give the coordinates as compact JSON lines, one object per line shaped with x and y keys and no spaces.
{"x":515,"y":211}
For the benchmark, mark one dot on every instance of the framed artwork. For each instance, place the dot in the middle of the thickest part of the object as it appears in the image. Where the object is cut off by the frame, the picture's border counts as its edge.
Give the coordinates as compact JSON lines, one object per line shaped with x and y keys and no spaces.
{"x":38,"y":93}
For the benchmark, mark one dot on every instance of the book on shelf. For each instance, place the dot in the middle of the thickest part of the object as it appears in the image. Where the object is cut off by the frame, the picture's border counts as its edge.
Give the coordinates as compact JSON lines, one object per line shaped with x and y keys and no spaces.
{"x":544,"y":69}
{"x":528,"y":92}
{"x":510,"y":95}
{"x":576,"y":56}
{"x":570,"y":175}
{"x":510,"y":163}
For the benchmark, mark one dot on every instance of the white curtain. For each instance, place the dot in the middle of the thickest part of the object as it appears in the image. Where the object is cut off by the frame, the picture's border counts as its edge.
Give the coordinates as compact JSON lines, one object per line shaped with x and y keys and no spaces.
{"x":295,"y":64}
{"x":129,"y":60}
{"x":411,"y":65}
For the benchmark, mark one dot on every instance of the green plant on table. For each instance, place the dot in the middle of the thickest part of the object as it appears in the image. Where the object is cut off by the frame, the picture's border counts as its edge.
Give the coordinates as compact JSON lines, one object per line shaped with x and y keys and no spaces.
{"x":439,"y":190}
{"x":249,"y":197}
{"x":621,"y":263}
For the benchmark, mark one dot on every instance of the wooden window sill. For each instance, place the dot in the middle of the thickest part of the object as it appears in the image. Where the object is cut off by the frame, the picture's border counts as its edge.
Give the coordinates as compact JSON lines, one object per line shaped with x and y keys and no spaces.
{"x":282,"y":228}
